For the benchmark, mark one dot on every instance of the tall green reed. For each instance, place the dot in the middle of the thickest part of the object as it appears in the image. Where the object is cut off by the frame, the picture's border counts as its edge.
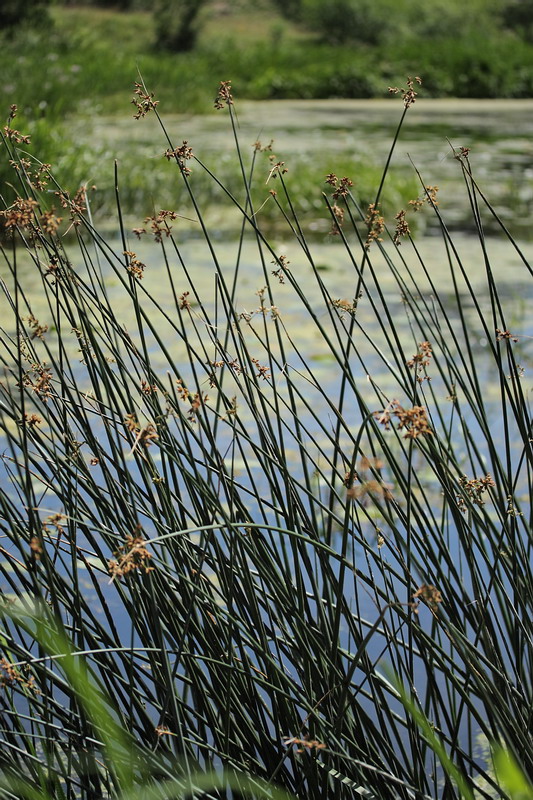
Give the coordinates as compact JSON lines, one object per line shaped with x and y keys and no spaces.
{"x":248,"y":500}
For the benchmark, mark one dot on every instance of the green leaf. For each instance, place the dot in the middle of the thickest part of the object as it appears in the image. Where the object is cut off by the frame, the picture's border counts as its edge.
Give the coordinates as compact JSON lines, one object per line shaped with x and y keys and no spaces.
{"x":510,"y":775}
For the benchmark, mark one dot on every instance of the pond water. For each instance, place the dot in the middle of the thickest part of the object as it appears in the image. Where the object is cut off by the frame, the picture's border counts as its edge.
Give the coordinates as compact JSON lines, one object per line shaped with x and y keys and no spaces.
{"x":499,"y":133}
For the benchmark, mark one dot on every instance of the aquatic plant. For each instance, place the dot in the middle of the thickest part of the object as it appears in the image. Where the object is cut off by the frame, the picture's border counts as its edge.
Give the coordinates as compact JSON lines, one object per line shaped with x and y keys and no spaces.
{"x":255,"y":524}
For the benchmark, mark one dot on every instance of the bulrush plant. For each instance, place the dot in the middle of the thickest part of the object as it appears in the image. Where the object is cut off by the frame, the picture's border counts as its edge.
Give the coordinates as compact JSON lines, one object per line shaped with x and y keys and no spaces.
{"x":272,"y":527}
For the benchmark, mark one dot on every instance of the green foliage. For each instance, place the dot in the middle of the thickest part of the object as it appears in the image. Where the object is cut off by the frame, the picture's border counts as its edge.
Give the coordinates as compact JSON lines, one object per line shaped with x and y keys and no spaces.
{"x":511,"y":780}
{"x":119,"y":5}
{"x":341,"y":21}
{"x":50,"y":143}
{"x":510,"y":776}
{"x":84,"y":70}
{"x":132,"y":768}
{"x":122,"y":758}
{"x":291,"y":9}
{"x":468,"y":68}
{"x":177,"y":24}
{"x":449,"y":19}
{"x":389,"y":22}
{"x":14,"y":13}
{"x":517,"y":15}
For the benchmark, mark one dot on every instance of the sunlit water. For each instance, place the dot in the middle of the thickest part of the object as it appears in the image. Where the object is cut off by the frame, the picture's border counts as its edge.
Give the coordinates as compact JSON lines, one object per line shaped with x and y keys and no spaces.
{"x":498,"y":133}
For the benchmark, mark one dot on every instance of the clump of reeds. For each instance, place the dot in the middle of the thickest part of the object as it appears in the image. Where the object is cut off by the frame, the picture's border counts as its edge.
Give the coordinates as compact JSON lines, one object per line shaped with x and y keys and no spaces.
{"x":283,"y":530}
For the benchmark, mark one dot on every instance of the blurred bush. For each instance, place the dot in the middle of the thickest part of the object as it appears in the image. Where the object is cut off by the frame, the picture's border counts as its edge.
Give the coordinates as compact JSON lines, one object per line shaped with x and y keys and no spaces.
{"x":177,"y":24}
{"x":29,"y":12}
{"x":517,"y":15}
{"x":375,"y":22}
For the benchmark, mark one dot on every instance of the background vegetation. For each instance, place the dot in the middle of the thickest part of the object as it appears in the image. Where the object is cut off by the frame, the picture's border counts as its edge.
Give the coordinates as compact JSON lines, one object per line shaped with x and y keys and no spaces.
{"x":61,"y":65}
{"x":269,"y":49}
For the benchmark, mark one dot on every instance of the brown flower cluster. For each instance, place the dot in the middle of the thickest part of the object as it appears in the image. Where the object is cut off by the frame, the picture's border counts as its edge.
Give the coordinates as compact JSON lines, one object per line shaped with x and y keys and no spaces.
{"x":36,"y":548}
{"x":276,"y":168}
{"x":408,"y":94}
{"x":429,"y":197}
{"x":148,"y":388}
{"x":180,"y":154}
{"x":402,"y":227}
{"x":143,"y":436}
{"x":501,"y":335}
{"x":53,"y":269}
{"x":413,"y":420}
{"x":77,"y":205}
{"x":12,"y":134}
{"x":338,"y":220}
{"x":20,"y":214}
{"x":429,"y":595}
{"x":344,"y":306}
{"x":304,"y":744}
{"x":462,"y":152}
{"x":32,"y":420}
{"x":233,"y":365}
{"x":130,"y":423}
{"x":135,"y":267}
{"x":224,"y":96}
{"x":23,"y":214}
{"x":131,"y":557}
{"x":421,"y":359}
{"x":367,"y":483}
{"x":342,"y":187}
{"x":196,"y":400}
{"x":263,"y":309}
{"x":259,"y":148}
{"x":37,"y":178}
{"x":370,"y":488}
{"x":283,"y":262}
{"x":143,"y":102}
{"x":185,"y":303}
{"x":39,"y":379}
{"x":56,"y":521}
{"x":10,"y":676}
{"x":49,"y":222}
{"x":375,"y":224}
{"x":350,"y":476}
{"x":159,"y":226}
{"x":474,"y":488}
{"x":147,"y":435}
{"x":40,"y":177}
{"x":36,"y":328}
{"x":16,"y":136}
{"x":262,"y":372}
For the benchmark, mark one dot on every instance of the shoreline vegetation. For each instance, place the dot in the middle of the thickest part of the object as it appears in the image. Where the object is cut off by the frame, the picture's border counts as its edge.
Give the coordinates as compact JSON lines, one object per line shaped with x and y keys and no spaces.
{"x":66,"y":73}
{"x":244,"y":550}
